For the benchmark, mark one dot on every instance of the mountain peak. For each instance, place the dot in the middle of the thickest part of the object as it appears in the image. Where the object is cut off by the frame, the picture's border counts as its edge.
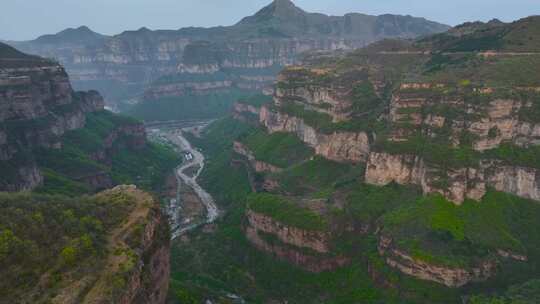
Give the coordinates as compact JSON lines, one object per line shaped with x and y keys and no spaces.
{"x":71,"y":35}
{"x":278,"y":9}
{"x":283,"y":5}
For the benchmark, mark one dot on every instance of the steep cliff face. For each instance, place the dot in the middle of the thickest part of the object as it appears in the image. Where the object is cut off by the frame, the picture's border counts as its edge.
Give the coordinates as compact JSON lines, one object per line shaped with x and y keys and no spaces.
{"x":448,"y":276}
{"x":492,"y":122}
{"x":456,"y":184}
{"x":305,"y":248}
{"x":125,"y":260}
{"x":246,"y":113}
{"x":339,"y":146}
{"x":149,"y":281}
{"x":38,"y":109}
{"x":451,"y":123}
{"x":249,"y":52}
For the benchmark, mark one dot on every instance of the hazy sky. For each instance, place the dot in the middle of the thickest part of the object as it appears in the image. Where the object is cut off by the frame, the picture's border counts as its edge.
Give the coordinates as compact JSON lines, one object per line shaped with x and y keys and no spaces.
{"x":27,"y":19}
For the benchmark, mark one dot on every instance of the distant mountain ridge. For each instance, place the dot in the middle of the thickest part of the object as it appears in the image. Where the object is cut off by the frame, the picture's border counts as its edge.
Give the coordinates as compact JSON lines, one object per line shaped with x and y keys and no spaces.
{"x":82,"y":34}
{"x":249,"y":53}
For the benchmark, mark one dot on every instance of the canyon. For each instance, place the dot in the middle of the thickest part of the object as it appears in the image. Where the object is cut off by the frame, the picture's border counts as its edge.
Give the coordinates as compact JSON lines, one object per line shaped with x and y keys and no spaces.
{"x":245,"y":56}
{"x":39,"y":109}
{"x":456,"y":134}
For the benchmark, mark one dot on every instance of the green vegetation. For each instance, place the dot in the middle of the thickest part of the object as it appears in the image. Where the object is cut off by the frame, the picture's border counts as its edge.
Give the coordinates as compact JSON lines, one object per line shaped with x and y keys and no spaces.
{"x":366,"y":203}
{"x":145,"y":167}
{"x":190,"y":106}
{"x":452,"y":235}
{"x":215,"y":264}
{"x":365,"y":100}
{"x":514,"y":155}
{"x":227,"y":183}
{"x":319,"y":177}
{"x":436,"y":152}
{"x":323,"y":122}
{"x":505,"y":72}
{"x":279,"y":149}
{"x":285,"y":212}
{"x":66,"y":169}
{"x":53,"y":240}
{"x":526,"y":293}
{"x":212,"y":265}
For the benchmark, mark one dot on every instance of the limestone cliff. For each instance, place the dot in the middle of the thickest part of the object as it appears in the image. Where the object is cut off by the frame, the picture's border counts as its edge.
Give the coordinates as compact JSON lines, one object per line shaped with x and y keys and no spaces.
{"x":490,"y":123}
{"x":438,"y":114}
{"x":307,"y":249}
{"x":449,"y":276}
{"x":249,"y":52}
{"x":38,"y":107}
{"x":339,"y":146}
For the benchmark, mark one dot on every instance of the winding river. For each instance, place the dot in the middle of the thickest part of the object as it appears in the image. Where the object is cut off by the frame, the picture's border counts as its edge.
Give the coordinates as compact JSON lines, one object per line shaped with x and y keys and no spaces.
{"x":174,"y":208}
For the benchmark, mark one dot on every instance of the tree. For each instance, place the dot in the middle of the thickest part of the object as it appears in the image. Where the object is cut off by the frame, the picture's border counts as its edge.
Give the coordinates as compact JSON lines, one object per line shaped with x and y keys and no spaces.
{"x":69,"y":255}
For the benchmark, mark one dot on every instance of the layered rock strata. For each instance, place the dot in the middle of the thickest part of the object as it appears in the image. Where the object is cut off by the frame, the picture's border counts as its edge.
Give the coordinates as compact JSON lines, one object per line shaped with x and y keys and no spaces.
{"x":338,"y":146}
{"x":304,"y":248}
{"x":449,"y":276}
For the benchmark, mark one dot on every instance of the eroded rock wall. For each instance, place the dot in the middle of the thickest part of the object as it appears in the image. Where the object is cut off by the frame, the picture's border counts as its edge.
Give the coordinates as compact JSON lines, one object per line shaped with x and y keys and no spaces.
{"x":307,"y":249}
{"x":449,"y":276}
{"x":338,"y":146}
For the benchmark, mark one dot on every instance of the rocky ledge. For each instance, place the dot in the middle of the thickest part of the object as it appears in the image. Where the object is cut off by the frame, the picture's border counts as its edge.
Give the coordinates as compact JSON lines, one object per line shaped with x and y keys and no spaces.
{"x":307,"y":249}
{"x":448,"y":276}
{"x":457,"y":184}
{"x":257,"y":165}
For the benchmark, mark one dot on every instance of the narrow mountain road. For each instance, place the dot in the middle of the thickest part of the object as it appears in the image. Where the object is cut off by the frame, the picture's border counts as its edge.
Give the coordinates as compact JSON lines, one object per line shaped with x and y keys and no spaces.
{"x":212,"y":212}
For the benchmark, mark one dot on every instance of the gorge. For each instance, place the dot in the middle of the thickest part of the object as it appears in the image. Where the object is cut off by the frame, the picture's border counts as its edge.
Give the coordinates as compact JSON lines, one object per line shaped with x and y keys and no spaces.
{"x":292,"y":157}
{"x":176,"y":70}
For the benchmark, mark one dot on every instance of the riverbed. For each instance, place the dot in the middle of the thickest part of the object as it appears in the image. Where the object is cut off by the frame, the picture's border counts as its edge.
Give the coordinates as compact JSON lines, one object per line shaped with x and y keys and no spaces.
{"x":187,"y":175}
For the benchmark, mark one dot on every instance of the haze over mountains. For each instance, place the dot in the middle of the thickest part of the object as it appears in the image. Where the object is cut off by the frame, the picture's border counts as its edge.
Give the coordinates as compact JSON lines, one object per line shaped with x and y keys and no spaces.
{"x":227,"y":61}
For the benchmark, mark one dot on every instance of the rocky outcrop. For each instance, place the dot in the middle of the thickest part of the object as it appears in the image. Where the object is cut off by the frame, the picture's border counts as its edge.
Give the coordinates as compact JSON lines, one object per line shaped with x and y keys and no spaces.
{"x":446,"y":275}
{"x":141,"y":263}
{"x":307,"y":249}
{"x":455,"y":184}
{"x":37,"y":107}
{"x":502,"y":124}
{"x":133,"y":134}
{"x":239,"y":108}
{"x":246,"y":113}
{"x":312,"y":263}
{"x":338,"y":146}
{"x":149,"y":282}
{"x":157,"y":91}
{"x":521,"y":181}
{"x":257,"y":165}
{"x":490,"y":123}
{"x":315,"y":240}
